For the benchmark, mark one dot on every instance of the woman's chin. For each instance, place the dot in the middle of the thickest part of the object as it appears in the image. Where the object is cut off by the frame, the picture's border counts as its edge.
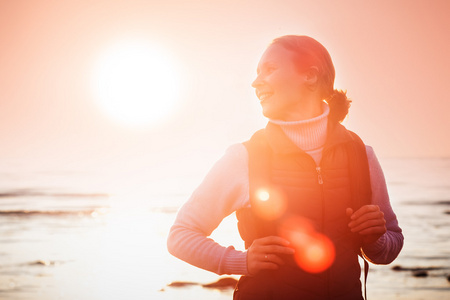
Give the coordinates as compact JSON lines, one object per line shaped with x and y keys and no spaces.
{"x":267,"y":114}
{"x":270,"y":114}
{"x":268,"y":111}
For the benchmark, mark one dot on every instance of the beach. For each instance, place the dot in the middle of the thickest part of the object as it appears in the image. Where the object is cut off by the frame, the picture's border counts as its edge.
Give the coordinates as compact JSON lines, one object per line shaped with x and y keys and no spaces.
{"x":84,"y":243}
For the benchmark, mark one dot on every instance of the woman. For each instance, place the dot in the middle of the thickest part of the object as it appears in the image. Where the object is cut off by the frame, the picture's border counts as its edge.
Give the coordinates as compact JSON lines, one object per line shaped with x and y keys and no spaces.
{"x":303,"y":180}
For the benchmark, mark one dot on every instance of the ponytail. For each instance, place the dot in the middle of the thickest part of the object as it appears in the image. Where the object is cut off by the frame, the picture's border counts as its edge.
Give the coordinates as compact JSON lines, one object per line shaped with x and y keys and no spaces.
{"x":339,"y":105}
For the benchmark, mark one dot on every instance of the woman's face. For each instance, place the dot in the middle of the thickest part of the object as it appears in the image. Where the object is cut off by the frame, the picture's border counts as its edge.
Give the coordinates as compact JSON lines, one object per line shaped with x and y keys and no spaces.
{"x":279,"y":86}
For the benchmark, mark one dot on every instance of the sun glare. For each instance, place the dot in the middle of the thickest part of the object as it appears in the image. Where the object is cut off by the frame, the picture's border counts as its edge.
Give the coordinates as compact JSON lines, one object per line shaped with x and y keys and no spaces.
{"x":136,"y":83}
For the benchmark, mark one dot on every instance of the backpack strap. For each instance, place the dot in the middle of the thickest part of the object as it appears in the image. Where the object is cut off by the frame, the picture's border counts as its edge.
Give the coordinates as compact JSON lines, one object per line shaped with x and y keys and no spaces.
{"x":366,"y":273}
{"x":361,"y":187}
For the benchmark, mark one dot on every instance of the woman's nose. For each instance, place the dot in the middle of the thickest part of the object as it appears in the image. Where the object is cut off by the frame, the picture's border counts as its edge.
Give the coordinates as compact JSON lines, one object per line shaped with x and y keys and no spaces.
{"x":257,"y":82}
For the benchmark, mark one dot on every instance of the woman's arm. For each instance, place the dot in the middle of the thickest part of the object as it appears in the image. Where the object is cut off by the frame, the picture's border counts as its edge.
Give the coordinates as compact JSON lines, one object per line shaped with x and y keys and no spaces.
{"x":223,"y":191}
{"x":388,"y":246}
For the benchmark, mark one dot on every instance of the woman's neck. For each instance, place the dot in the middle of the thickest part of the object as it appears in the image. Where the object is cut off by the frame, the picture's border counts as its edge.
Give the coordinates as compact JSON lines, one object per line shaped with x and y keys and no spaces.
{"x":306,"y":111}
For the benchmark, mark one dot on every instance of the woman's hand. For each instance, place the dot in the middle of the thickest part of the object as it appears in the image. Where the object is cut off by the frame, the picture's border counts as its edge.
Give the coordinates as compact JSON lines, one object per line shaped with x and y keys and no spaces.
{"x":368,"y":221}
{"x":264,"y":253}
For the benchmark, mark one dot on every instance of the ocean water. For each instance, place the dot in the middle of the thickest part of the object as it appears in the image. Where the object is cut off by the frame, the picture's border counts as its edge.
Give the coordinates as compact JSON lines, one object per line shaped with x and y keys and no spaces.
{"x":68,"y":234}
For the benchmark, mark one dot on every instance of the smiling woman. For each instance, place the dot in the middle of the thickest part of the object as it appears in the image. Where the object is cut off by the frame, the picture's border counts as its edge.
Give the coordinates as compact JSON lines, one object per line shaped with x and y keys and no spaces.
{"x":136,"y":83}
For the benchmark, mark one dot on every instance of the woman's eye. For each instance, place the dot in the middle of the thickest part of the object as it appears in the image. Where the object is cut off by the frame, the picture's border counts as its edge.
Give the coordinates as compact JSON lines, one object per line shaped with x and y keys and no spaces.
{"x":265,"y":70}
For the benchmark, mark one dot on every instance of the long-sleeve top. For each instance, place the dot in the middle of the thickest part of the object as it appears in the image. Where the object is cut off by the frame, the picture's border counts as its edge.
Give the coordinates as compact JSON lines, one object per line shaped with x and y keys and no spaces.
{"x":225,"y":189}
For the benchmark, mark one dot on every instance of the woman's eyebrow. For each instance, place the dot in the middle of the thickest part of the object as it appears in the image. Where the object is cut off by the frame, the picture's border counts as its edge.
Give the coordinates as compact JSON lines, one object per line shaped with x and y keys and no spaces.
{"x":264,"y":65}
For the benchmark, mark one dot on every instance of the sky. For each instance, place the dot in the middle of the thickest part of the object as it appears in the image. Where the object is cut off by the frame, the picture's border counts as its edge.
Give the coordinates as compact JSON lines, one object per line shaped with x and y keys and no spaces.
{"x":391,"y":57}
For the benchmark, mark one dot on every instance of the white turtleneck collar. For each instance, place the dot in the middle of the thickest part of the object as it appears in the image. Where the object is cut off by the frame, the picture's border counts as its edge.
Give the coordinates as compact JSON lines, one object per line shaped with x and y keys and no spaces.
{"x":309,"y":135}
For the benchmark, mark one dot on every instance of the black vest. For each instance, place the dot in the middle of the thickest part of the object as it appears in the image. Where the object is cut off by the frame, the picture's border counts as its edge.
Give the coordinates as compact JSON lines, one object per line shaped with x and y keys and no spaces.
{"x":318,"y":194}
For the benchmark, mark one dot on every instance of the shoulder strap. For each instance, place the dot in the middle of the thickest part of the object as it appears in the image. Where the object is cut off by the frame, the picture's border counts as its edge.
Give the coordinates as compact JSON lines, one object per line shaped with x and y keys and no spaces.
{"x":259,"y":168}
{"x":259,"y":160}
{"x":359,"y":171}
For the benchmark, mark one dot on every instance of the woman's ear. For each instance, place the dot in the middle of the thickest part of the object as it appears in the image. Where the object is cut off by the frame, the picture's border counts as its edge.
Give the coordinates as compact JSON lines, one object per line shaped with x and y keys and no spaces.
{"x":312,"y":77}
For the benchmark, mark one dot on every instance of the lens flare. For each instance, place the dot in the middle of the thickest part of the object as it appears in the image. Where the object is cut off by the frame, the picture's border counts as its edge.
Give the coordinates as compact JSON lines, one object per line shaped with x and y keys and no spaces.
{"x":314,"y":252}
{"x":263,"y":195}
{"x":269,"y":204}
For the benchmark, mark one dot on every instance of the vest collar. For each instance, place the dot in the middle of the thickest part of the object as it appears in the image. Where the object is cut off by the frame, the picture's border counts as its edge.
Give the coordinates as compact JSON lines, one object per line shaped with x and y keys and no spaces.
{"x":281,"y":144}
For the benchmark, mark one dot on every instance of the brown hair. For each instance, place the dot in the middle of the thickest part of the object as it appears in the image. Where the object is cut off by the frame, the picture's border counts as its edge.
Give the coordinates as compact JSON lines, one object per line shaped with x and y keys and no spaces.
{"x":309,"y":52}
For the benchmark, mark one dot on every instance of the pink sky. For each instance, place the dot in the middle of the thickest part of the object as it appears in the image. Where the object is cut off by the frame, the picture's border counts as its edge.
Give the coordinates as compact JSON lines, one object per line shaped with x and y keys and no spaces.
{"x":391,"y":56}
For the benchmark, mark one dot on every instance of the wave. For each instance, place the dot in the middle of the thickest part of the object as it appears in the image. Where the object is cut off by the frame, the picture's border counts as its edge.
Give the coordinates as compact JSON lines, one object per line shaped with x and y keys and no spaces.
{"x":436,"y":202}
{"x":166,"y":209}
{"x":36,"y":193}
{"x":55,"y":213}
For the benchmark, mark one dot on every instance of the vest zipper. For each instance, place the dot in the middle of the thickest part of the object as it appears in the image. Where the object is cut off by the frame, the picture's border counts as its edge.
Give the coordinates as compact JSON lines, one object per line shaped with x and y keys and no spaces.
{"x":320,"y":180}
{"x":319,"y":175}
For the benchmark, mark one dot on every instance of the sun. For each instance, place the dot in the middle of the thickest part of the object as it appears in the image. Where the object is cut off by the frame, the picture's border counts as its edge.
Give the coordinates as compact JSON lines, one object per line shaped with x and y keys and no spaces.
{"x":136,"y":83}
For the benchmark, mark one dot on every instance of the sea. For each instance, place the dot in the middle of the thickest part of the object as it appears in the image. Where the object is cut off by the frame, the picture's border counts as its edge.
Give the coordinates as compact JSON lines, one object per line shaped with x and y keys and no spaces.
{"x":76,"y":234}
